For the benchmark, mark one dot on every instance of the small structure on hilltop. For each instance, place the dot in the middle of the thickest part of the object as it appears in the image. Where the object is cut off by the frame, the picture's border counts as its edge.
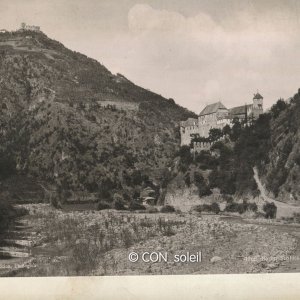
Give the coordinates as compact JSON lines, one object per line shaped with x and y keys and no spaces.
{"x":24,"y":26}
{"x":3,"y":31}
{"x":216,"y":115}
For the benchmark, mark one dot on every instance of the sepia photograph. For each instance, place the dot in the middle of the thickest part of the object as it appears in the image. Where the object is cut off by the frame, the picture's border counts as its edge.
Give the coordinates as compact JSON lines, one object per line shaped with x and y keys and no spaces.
{"x":155,"y":137}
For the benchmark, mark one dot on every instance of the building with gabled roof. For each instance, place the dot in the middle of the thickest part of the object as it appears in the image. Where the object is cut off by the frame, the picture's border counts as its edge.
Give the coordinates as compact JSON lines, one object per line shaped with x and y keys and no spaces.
{"x":216,"y":115}
{"x":212,"y":108}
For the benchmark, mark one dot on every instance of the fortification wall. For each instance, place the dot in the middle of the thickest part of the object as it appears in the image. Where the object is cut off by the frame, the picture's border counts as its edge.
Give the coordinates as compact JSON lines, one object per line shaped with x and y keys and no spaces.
{"x":185,"y":133}
{"x":200,"y":146}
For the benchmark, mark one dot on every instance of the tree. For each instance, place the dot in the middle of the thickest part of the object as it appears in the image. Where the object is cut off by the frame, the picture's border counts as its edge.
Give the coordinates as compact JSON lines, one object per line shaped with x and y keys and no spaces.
{"x":236,"y":129}
{"x":185,"y":157}
{"x":7,"y":167}
{"x":203,"y":188}
{"x":226,"y":130}
{"x":187,"y":179}
{"x":270,"y":210}
{"x":215,"y":134}
{"x":277,"y":108}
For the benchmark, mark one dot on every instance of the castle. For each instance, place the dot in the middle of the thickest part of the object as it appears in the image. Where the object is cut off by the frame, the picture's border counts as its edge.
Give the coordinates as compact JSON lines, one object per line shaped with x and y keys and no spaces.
{"x":216,"y":115}
{"x":24,"y":26}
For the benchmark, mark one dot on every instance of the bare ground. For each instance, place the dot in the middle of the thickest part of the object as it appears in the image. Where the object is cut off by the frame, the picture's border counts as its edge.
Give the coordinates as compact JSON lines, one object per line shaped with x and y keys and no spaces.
{"x":99,"y":242}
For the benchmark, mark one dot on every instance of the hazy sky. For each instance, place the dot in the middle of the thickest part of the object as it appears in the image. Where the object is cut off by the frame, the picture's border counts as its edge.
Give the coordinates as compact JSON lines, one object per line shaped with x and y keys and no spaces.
{"x":195,"y":51}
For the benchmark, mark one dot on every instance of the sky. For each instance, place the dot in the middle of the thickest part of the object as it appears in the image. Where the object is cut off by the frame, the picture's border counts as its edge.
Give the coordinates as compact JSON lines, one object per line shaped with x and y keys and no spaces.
{"x":194,"y":51}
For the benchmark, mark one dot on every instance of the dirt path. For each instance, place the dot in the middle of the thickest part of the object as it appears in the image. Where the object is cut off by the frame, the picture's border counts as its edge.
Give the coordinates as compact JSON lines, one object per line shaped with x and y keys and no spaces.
{"x":283,"y":209}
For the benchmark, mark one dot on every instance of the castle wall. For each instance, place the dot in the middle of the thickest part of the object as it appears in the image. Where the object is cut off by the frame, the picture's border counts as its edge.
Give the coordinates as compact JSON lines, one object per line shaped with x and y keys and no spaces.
{"x":200,"y":146}
{"x":186,"y":132}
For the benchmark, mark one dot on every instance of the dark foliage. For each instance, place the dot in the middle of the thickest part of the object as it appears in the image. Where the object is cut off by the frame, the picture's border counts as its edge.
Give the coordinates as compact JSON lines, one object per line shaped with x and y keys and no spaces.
{"x":277,"y":108}
{"x":103,"y":205}
{"x":214,"y":207}
{"x":270,"y":210}
{"x":240,"y":207}
{"x":136,"y":206}
{"x":167,"y":209}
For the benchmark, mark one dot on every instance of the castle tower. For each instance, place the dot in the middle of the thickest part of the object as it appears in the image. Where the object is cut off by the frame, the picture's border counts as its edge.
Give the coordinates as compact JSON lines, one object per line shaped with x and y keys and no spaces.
{"x":257,"y":104}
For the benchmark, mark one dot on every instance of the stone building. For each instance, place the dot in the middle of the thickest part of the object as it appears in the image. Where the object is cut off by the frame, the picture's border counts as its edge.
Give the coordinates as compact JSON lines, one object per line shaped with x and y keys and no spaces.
{"x":24,"y":26}
{"x":216,"y":115}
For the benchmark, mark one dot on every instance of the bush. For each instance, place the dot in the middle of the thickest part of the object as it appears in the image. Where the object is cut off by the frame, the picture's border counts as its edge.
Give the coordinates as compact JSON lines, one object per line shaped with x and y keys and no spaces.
{"x":203,"y":188}
{"x":187,"y":179}
{"x":7,"y":167}
{"x":235,"y":207}
{"x":118,"y":205}
{"x":214,"y":207}
{"x":55,"y":202}
{"x":167,"y":209}
{"x":136,"y":206}
{"x":185,"y":158}
{"x":270,"y":210}
{"x":152,"y":210}
{"x":253,"y":207}
{"x":297,"y":217}
{"x":103,"y":205}
{"x":277,"y":108}
{"x":240,"y":207}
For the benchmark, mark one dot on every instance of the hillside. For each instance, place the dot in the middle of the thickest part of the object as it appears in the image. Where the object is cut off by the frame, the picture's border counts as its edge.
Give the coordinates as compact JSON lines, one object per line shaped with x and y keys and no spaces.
{"x":281,"y":171}
{"x":69,"y":122}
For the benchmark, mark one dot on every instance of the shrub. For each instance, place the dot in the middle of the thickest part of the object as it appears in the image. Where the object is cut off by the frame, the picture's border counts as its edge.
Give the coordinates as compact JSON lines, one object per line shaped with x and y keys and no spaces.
{"x":187,"y":179}
{"x":215,"y":134}
{"x":185,"y":158}
{"x":214,"y":207}
{"x":235,"y":207}
{"x":253,"y":207}
{"x":7,"y":167}
{"x":277,"y":108}
{"x":136,"y":206}
{"x":54,"y":201}
{"x":240,"y":207}
{"x":103,"y":205}
{"x":118,"y":205}
{"x":167,"y":209}
{"x":152,"y":210}
{"x":297,"y":217}
{"x":270,"y":210}
{"x":167,"y":230}
{"x":118,"y":202}
{"x":203,"y":188}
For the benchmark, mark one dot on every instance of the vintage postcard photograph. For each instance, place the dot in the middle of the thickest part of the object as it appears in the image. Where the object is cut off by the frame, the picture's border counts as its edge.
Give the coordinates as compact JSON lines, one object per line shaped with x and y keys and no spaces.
{"x":155,"y":137}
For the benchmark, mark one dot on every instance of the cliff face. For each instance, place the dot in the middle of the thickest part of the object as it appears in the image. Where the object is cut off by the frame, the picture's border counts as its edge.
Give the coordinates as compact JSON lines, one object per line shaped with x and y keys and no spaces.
{"x":65,"y":118}
{"x":281,"y":172}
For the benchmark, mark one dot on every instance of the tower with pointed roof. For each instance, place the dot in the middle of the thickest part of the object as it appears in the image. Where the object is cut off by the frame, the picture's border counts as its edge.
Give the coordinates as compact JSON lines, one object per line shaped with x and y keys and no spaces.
{"x":257,"y":105}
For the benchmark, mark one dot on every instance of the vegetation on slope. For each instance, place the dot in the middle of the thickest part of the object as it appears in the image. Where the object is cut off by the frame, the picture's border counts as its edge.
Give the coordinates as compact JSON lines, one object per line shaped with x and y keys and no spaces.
{"x":67,"y":120}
